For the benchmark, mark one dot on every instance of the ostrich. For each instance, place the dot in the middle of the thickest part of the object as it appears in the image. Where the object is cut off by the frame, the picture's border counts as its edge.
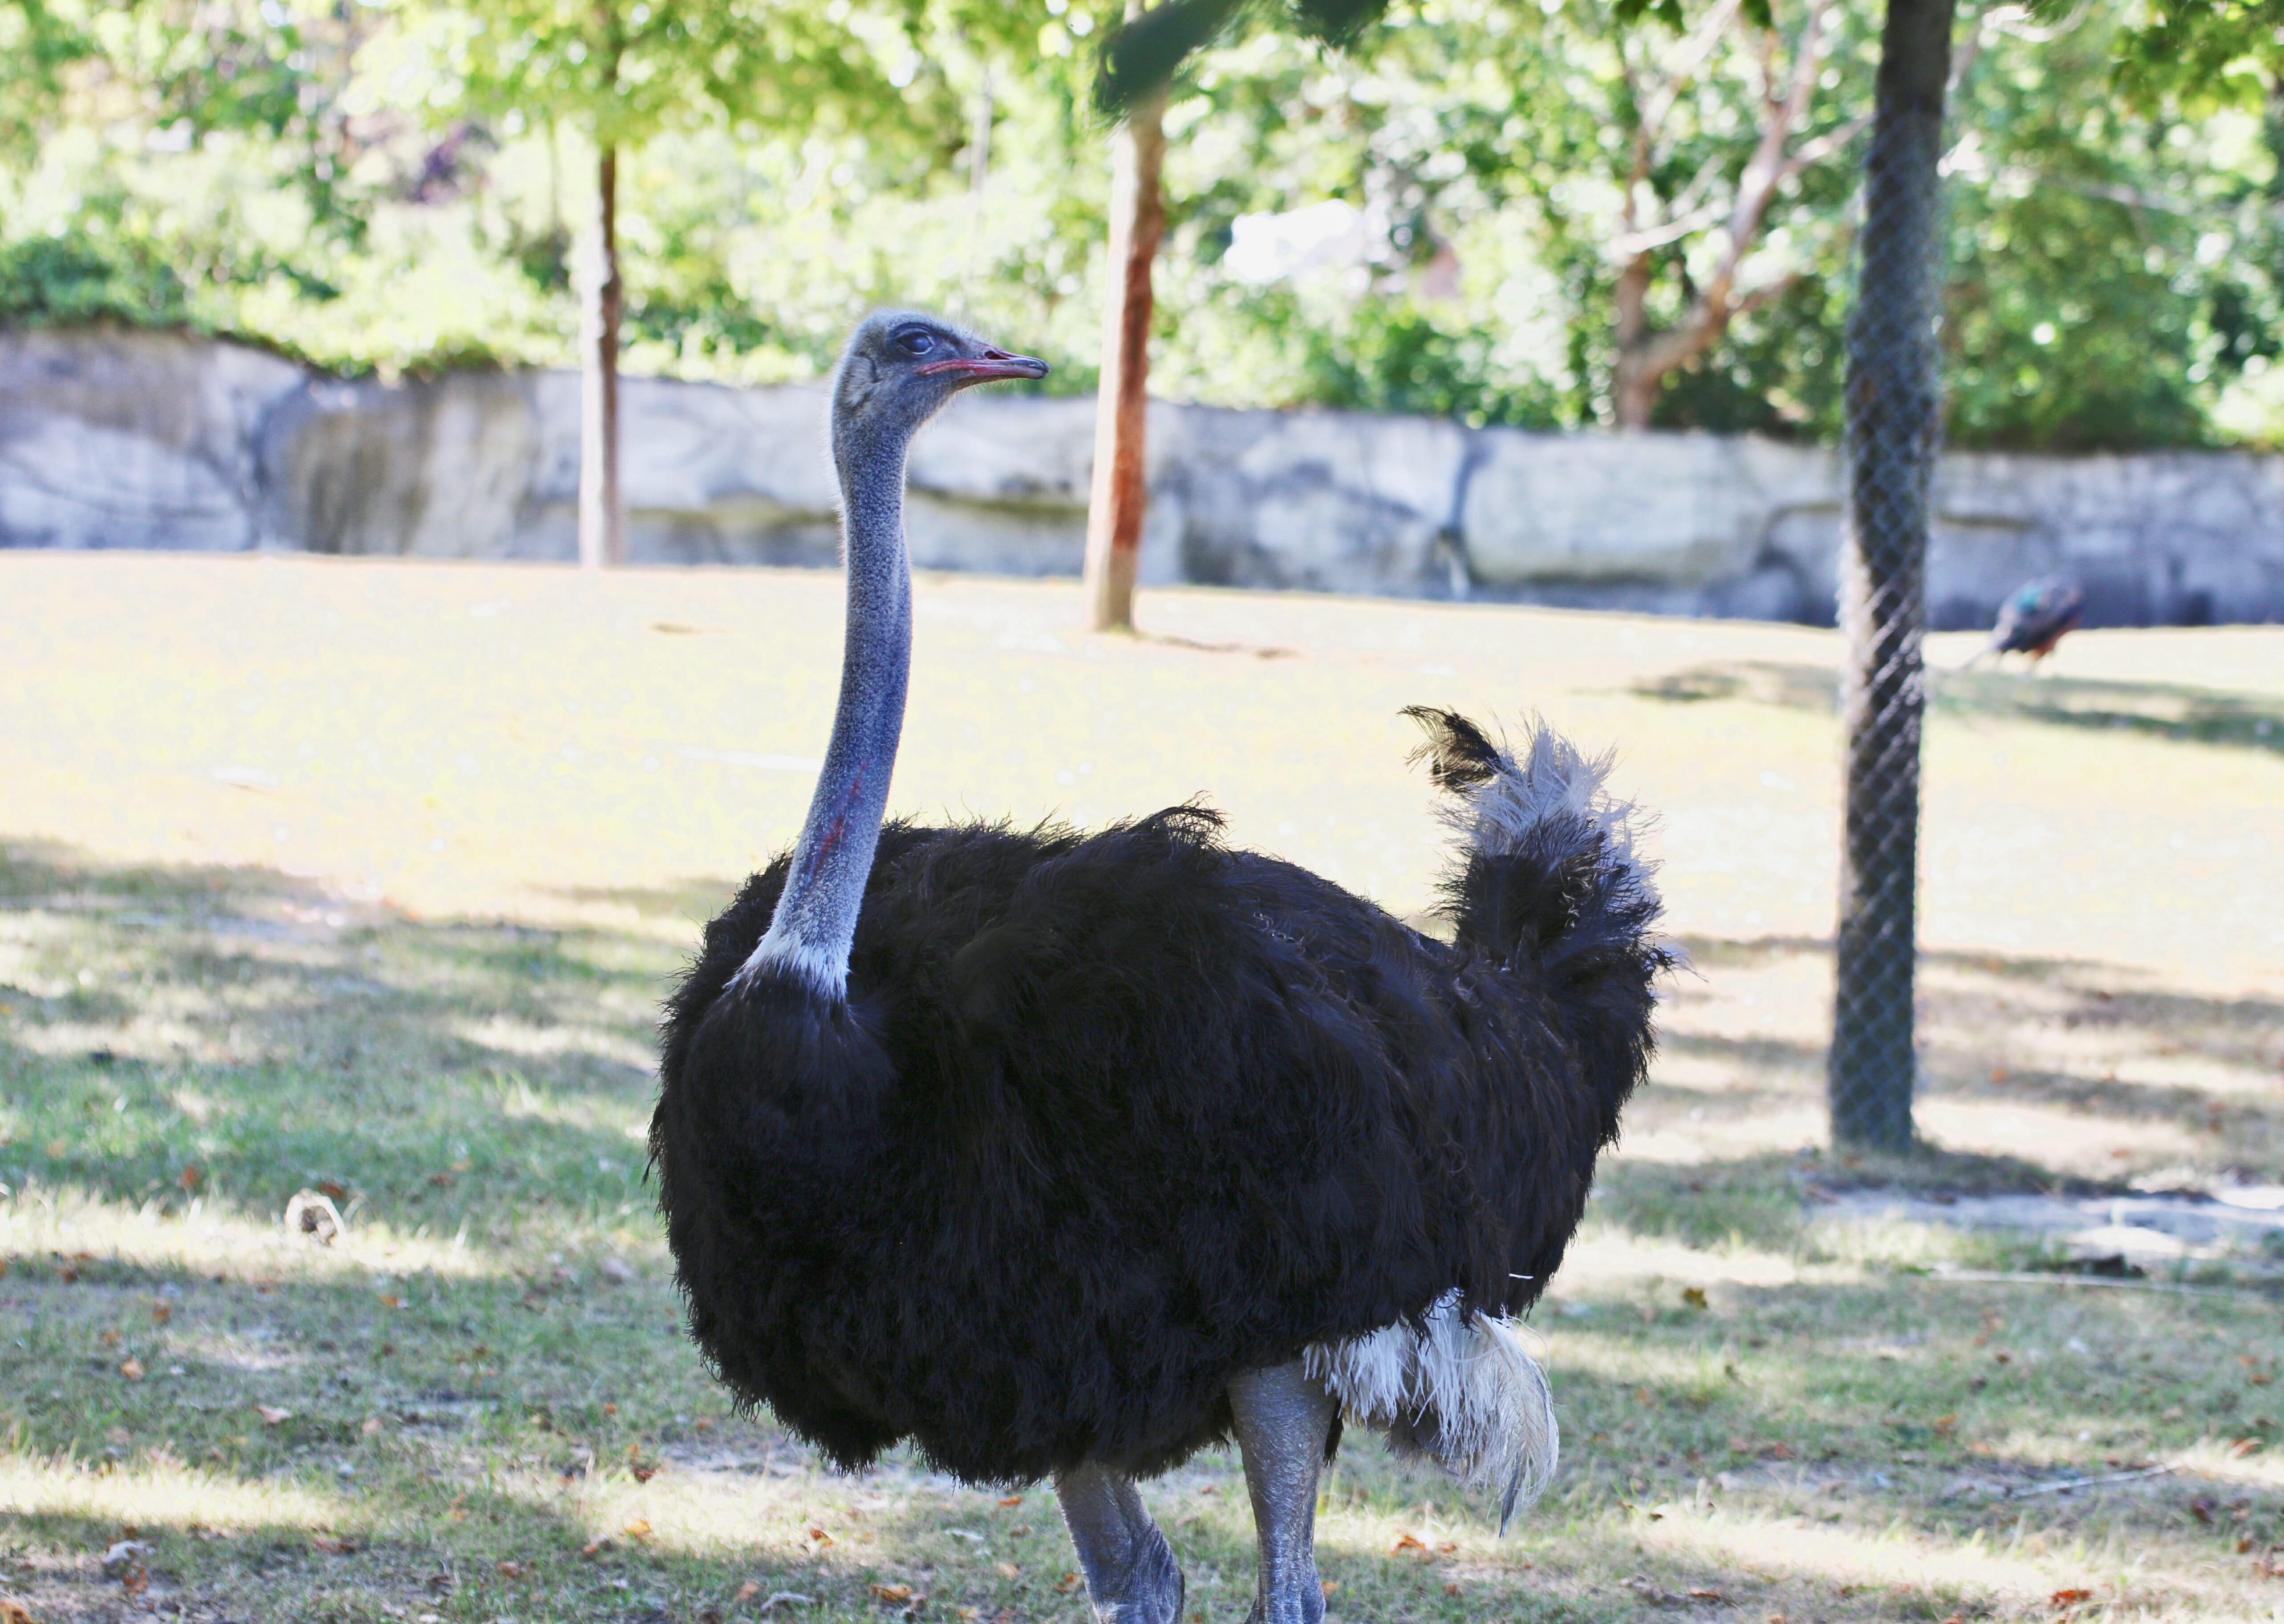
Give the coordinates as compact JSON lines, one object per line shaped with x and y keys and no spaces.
{"x":2035,"y":617}
{"x":1064,"y":1155}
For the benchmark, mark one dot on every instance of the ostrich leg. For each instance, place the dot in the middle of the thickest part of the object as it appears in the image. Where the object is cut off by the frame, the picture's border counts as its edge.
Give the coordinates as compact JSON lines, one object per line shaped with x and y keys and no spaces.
{"x":1283,"y":1419}
{"x":1131,"y":1577}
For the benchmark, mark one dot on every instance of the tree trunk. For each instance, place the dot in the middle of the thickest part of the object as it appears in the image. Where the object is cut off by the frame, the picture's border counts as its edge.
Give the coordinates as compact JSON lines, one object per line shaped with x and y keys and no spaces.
{"x":1115,"y":509}
{"x":602,"y":502}
{"x":1894,"y":427}
{"x":1634,"y":391}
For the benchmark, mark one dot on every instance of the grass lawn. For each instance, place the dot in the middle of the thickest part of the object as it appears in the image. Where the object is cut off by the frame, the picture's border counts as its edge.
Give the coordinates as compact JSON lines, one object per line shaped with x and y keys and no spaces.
{"x":366,"y":880}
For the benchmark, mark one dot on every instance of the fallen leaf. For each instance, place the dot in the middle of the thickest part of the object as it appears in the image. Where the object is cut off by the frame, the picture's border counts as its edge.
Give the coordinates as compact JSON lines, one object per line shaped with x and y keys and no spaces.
{"x":513,"y":1569}
{"x":1008,"y":1570}
{"x":2069,"y":1598}
{"x":191,"y":1177}
{"x":2243,"y":1446}
{"x":1011,"y":1500}
{"x":639,"y":1529}
{"x":817,"y":1537}
{"x":1452,"y":1589}
{"x":392,"y":1301}
{"x":1694,"y":1296}
{"x":594,"y":1546}
{"x":111,"y":1338}
{"x":1650,"y":1590}
{"x":1714,"y":1596}
{"x":1946,"y":1424}
{"x":643,"y":1474}
{"x":1446,"y":1546}
{"x":135,"y":1580}
{"x":272,"y":1415}
{"x":1410,"y":1541}
{"x":442,"y":1180}
{"x":332,"y":1191}
{"x":132,"y":1370}
{"x":14,"y":1612}
{"x":371,"y":1426}
{"x":333,"y":1546}
{"x":892,"y":1592}
{"x":161,"y":1312}
{"x":1067,"y":1583}
{"x":748,"y":1590}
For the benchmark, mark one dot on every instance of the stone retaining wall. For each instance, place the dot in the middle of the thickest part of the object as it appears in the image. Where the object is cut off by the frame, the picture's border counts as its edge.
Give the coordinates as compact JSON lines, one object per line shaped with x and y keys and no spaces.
{"x":115,"y":439}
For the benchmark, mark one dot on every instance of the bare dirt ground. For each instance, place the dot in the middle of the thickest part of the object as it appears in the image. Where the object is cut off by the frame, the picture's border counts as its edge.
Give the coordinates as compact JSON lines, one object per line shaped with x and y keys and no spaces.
{"x":369,"y":875}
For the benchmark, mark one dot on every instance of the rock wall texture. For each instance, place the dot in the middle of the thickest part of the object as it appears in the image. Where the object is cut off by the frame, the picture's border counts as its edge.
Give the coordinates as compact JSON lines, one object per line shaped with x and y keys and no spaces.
{"x":116,"y":439}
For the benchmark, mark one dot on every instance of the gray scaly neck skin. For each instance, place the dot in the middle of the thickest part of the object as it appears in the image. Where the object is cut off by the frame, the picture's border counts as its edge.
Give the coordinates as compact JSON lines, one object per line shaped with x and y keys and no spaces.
{"x":899,"y":370}
{"x":816,"y":919}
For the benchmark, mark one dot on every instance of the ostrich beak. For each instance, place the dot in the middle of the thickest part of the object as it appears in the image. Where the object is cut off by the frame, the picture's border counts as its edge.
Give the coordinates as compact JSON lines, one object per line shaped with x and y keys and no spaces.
{"x":991,"y":365}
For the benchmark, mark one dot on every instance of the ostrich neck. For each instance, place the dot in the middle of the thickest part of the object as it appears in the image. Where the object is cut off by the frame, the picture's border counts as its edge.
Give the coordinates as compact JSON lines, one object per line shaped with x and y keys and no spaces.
{"x":815,"y":919}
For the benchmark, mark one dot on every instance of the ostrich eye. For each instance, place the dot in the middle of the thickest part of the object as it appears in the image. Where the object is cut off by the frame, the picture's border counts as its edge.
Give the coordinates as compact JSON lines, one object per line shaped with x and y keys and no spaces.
{"x":916,"y":340}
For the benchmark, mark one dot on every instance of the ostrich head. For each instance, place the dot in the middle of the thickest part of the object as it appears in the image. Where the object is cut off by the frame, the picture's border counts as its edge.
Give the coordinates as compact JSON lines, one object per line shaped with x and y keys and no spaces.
{"x":901,"y":366}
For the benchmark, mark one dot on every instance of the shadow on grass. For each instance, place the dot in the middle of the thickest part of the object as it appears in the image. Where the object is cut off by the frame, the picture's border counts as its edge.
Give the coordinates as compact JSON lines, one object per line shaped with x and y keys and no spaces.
{"x":2168,"y":710}
{"x":228,"y":1036}
{"x":571,"y":1466}
{"x":2049,"y":1033}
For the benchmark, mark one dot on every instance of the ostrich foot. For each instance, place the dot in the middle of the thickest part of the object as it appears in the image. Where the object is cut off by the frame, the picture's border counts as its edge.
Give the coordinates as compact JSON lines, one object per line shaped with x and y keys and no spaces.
{"x":1131,"y":1576}
{"x":1283,"y":1420}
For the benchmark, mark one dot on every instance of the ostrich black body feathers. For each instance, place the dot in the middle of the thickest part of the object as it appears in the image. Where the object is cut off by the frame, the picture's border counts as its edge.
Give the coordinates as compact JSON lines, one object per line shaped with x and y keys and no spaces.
{"x":1106,"y":1120}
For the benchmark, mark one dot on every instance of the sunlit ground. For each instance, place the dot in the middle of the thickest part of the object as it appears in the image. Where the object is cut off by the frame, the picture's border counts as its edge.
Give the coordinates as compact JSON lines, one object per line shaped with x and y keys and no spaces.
{"x":368,"y":877}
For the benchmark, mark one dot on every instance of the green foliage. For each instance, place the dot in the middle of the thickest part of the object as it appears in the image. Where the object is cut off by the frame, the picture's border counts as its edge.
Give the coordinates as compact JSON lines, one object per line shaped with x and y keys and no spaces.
{"x":39,"y":42}
{"x":2202,"y":53}
{"x":69,"y":281}
{"x":2109,"y":270}
{"x":1150,"y":50}
{"x":389,"y":188}
{"x":625,"y":72}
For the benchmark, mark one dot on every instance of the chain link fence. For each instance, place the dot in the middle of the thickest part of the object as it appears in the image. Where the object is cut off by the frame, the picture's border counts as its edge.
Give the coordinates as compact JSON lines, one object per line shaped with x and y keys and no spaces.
{"x":1893,"y":431}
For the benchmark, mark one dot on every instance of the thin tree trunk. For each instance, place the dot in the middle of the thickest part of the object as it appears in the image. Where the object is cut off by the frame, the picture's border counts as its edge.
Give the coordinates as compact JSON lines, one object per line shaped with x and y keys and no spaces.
{"x":602,"y":502}
{"x":1632,"y":390}
{"x":1894,"y":428}
{"x":1115,"y":507}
